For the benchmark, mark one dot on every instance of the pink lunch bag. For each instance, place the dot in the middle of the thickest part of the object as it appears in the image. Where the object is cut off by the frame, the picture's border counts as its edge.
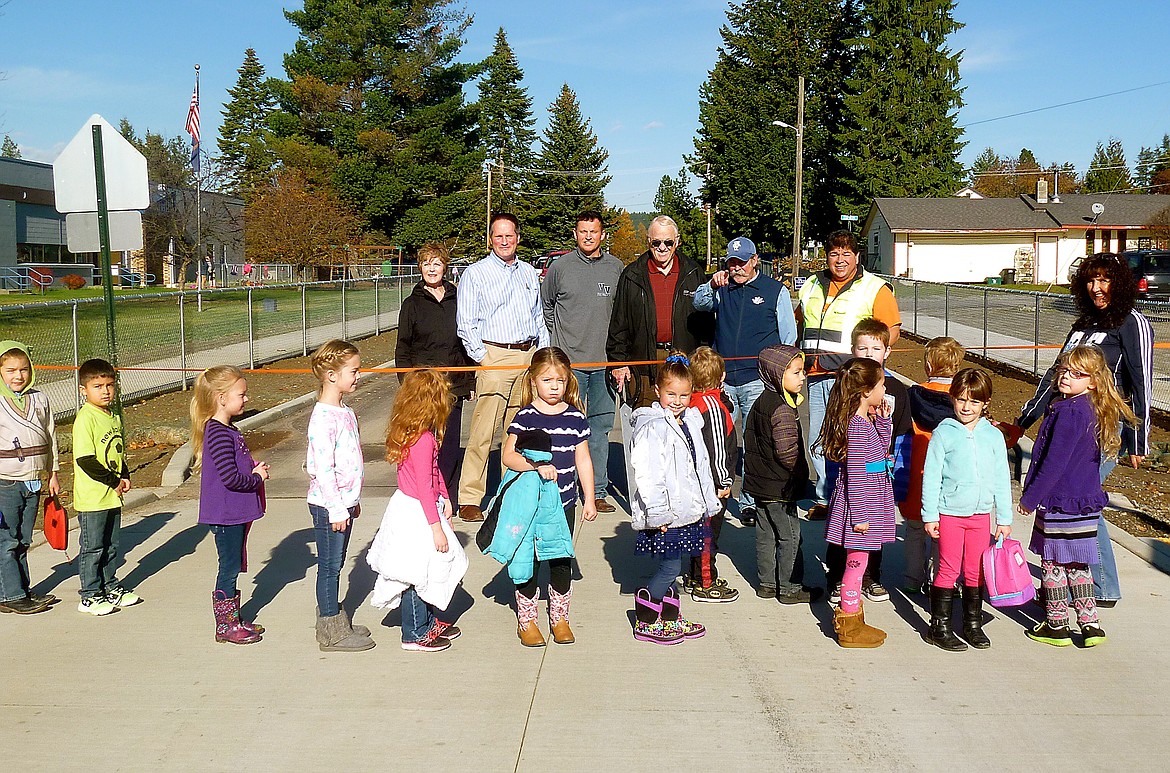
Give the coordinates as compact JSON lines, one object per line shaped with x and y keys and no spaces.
{"x":1006,"y":574}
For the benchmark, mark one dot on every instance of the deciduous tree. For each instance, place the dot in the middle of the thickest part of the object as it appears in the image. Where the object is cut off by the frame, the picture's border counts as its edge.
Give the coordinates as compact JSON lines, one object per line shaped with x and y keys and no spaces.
{"x":290,"y":222}
{"x":626,"y":241}
{"x":9,"y":149}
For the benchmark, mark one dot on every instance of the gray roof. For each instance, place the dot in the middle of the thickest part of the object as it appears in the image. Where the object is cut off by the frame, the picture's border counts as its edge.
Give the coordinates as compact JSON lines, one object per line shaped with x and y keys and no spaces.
{"x":1122,"y":210}
{"x":1022,"y":213}
{"x":962,"y":214}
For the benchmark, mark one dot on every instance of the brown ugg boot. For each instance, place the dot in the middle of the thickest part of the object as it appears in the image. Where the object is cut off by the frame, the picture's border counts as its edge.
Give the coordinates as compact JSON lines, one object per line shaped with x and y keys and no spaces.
{"x":526,"y":613}
{"x":853,"y":633}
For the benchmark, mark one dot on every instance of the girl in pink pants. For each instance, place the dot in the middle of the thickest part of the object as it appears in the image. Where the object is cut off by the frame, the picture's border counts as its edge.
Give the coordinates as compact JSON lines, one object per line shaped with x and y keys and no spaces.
{"x":965,"y":478}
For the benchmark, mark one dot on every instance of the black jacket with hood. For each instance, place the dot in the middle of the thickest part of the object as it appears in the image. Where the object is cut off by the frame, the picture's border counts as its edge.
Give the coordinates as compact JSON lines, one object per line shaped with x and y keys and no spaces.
{"x":774,"y":464}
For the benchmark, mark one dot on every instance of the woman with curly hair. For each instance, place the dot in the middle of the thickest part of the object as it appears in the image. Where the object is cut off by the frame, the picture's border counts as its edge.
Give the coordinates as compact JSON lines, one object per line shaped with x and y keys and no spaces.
{"x":1105,"y":292}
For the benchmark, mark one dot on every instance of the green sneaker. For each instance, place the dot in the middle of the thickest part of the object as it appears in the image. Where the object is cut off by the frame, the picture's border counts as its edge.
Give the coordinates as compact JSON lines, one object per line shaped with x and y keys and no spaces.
{"x":120,"y":597}
{"x":1092,"y":634}
{"x":96,"y":606}
{"x":1057,"y":636}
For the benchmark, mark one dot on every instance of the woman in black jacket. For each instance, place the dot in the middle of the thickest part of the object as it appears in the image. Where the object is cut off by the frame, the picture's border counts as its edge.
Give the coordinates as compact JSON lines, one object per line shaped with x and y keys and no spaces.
{"x":427,"y":338}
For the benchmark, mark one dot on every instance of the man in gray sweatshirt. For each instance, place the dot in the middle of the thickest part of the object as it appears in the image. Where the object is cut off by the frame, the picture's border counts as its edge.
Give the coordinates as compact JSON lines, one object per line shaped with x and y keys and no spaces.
{"x":578,"y":297}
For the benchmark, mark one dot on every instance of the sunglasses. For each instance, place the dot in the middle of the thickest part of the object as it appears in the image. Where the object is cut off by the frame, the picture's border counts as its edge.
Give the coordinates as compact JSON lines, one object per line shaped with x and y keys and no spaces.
{"x":667,"y":243}
{"x":1077,"y":374}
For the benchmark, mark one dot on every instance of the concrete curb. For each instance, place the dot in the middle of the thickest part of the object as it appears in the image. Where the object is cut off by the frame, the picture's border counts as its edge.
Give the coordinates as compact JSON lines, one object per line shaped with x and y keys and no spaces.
{"x":179,"y":467}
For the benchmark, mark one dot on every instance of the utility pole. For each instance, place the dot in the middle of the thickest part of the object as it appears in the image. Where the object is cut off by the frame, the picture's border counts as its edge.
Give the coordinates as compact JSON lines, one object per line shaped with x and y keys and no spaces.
{"x":708,"y":207}
{"x":796,"y":251}
{"x":488,"y":232}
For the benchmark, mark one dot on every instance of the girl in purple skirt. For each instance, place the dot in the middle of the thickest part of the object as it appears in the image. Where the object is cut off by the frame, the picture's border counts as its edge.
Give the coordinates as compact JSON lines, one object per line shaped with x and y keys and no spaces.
{"x":1063,"y":487}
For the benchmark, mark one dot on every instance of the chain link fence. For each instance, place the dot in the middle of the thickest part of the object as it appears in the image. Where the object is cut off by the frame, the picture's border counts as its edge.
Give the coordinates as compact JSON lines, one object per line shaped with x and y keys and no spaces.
{"x":983,"y":318}
{"x":165,"y":338}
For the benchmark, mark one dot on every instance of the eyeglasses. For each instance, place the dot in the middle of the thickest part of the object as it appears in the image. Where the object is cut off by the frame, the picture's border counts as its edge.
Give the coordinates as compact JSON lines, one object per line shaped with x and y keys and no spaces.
{"x":667,"y":243}
{"x":1077,"y":374}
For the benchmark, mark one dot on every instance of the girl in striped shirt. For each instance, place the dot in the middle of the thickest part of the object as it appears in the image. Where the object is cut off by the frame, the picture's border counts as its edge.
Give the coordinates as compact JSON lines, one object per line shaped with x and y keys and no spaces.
{"x":861,"y":510}
{"x":552,"y":405}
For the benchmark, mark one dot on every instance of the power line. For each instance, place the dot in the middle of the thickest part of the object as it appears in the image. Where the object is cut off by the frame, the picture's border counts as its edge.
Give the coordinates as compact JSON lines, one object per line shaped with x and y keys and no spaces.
{"x":1064,"y":104}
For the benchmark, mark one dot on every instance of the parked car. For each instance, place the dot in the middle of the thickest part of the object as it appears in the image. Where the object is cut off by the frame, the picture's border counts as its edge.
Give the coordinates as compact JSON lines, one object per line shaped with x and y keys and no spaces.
{"x":1151,"y":269}
{"x":542,"y":262}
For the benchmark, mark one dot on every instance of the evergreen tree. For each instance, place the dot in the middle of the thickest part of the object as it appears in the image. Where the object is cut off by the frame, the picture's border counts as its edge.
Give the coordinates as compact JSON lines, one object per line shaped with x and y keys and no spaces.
{"x":243,"y":148}
{"x":505,"y":123}
{"x":1108,"y":171}
{"x":766,"y":45}
{"x":9,"y":149}
{"x":168,"y":162}
{"x":985,"y":162}
{"x":373,"y":106}
{"x":1151,"y":173}
{"x":674,"y":199}
{"x":572,"y":176}
{"x":900,"y":138}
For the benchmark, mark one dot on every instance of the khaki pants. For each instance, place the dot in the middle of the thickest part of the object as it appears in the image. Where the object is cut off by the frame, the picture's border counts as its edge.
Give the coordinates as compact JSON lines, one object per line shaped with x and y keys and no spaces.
{"x":497,"y":399}
{"x":646,"y":396}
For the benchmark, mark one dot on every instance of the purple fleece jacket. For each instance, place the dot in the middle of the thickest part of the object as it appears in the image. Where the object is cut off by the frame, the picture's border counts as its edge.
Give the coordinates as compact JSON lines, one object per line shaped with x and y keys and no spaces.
{"x":1066,"y":461}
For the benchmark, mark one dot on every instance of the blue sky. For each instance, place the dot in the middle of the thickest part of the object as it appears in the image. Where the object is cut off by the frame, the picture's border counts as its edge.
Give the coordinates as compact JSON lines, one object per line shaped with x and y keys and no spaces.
{"x":636,"y":67}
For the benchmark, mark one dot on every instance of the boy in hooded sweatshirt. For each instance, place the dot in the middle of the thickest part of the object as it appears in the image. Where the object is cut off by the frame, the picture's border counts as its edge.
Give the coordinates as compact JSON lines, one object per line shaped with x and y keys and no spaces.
{"x":28,"y":448}
{"x":775,"y":472}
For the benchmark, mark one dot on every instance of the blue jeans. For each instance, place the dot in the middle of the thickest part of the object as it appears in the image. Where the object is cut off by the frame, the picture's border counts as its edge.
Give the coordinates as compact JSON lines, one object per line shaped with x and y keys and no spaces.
{"x":331,"y":547}
{"x":599,"y":409}
{"x":742,"y":398}
{"x":665,"y":578}
{"x":1106,"y":583}
{"x":18,"y":512}
{"x":818,"y":397}
{"x":229,"y":544}
{"x":98,"y":558}
{"x":417,"y":617}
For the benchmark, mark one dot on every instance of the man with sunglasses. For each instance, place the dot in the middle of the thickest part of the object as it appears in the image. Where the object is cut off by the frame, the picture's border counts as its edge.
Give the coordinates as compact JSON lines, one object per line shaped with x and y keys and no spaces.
{"x":752,"y":312}
{"x":653,"y":309}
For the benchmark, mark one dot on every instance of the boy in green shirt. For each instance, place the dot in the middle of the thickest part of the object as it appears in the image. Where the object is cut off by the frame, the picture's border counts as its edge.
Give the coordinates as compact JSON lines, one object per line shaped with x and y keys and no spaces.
{"x":100,"y":478}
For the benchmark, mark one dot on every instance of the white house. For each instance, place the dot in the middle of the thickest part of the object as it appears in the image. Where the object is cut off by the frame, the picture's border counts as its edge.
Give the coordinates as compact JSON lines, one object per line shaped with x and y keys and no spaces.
{"x":962,"y":239}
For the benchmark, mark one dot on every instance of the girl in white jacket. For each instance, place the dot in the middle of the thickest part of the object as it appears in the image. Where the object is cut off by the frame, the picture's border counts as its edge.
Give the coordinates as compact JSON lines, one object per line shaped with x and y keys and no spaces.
{"x":674,"y":493}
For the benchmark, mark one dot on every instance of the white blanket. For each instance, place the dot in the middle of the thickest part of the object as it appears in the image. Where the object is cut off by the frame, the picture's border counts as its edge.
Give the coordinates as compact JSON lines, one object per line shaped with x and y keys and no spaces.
{"x":403,"y":554}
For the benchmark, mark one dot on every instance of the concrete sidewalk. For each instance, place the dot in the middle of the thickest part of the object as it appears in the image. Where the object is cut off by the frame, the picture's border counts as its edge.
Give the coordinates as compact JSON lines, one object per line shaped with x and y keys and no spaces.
{"x":766,"y":689}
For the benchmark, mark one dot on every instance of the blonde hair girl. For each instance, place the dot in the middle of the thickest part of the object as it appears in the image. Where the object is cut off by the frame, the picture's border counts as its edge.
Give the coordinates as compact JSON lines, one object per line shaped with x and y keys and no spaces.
{"x":231,"y":490}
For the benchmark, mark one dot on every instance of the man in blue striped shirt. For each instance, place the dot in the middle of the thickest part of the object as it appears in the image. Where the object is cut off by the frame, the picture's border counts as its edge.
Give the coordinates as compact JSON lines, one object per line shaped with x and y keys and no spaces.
{"x":501,"y":321}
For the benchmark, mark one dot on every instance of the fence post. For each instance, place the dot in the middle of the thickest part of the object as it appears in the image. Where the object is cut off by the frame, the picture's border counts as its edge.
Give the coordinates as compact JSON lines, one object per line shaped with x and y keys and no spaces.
{"x":377,"y":310}
{"x":1036,"y":351}
{"x":76,"y":360}
{"x":251,"y":337}
{"x":182,"y":342}
{"x":916,"y":308}
{"x":344,"y":326}
{"x":946,"y":310}
{"x":304,"y":323}
{"x":984,"y":321}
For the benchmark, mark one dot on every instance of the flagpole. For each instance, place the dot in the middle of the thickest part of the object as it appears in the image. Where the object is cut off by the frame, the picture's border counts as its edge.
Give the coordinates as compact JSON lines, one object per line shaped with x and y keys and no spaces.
{"x":198,"y":207}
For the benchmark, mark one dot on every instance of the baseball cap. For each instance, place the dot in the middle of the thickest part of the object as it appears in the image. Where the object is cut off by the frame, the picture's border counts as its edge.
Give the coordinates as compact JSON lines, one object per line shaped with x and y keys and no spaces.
{"x":741,"y":248}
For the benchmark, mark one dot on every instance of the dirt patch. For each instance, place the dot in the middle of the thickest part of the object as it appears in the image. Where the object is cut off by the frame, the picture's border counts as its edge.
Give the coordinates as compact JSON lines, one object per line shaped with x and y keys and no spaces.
{"x":157,"y":426}
{"x":1143,"y":486}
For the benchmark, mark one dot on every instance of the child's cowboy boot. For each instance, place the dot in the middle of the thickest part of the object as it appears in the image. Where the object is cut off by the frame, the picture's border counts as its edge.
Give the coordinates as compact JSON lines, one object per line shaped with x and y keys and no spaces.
{"x":526,"y":614}
{"x":973,"y":618}
{"x":558,"y":615}
{"x":253,"y":627}
{"x":227,"y":621}
{"x":853,"y":633}
{"x":940,"y":634}
{"x":648,"y":623}
{"x":671,"y":615}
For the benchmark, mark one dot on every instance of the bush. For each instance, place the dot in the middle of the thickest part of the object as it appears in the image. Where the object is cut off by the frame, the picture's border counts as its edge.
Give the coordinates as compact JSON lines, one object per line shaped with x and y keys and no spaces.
{"x":72,"y":281}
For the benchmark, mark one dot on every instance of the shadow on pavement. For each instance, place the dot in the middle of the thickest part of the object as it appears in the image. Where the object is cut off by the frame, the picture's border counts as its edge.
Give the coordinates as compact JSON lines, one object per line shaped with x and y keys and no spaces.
{"x":629,"y":571}
{"x":289,"y":561}
{"x":181,"y":544}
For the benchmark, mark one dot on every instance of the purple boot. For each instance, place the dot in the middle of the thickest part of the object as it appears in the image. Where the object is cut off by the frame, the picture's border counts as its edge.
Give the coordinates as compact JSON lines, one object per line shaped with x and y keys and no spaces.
{"x":227,"y":621}
{"x":673,"y":619}
{"x":648,"y":624}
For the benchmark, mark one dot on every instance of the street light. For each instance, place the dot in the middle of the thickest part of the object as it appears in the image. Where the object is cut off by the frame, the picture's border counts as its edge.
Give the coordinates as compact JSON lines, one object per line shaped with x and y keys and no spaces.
{"x":799,"y":129}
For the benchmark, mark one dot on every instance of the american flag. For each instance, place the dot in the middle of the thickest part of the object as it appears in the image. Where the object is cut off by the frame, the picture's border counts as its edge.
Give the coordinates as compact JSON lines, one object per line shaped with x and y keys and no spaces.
{"x":193,"y":127}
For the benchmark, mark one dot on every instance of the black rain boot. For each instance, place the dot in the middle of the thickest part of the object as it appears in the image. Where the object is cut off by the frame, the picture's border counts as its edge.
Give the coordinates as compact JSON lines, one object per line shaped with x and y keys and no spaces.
{"x":973,"y":618}
{"x":940,"y":634}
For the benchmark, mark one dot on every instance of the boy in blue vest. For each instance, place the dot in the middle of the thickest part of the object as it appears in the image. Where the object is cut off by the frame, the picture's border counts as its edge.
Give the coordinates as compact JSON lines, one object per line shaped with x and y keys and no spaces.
{"x":752,"y":312}
{"x":871,"y":339}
